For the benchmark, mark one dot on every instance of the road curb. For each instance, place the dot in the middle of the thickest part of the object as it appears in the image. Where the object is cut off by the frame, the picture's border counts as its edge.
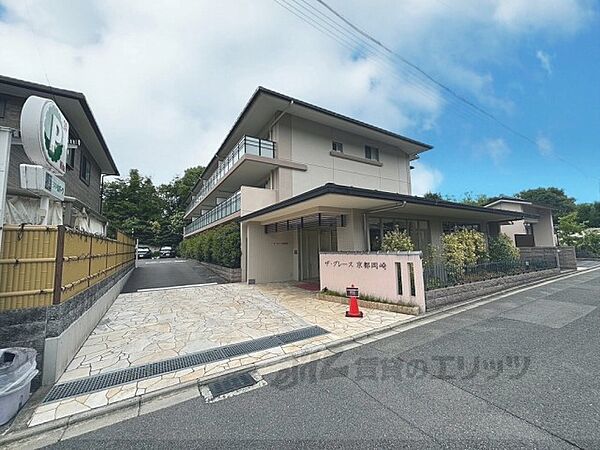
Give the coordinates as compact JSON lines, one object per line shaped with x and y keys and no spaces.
{"x":383,"y":332}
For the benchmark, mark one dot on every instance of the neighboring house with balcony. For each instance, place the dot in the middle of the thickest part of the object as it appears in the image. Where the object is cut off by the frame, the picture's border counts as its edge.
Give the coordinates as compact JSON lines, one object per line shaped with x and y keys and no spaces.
{"x":88,"y":159}
{"x":300,"y":179}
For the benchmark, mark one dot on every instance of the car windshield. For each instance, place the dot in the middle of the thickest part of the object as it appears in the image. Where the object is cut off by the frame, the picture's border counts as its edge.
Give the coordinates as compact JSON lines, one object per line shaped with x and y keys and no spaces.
{"x":165,"y":248}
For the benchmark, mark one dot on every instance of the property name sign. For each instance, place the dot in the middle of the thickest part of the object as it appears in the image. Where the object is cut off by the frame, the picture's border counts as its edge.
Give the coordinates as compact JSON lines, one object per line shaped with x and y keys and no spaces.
{"x":45,"y":134}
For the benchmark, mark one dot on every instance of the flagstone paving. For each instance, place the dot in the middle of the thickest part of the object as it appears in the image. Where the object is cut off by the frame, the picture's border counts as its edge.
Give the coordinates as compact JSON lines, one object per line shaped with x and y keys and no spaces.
{"x":145,"y":327}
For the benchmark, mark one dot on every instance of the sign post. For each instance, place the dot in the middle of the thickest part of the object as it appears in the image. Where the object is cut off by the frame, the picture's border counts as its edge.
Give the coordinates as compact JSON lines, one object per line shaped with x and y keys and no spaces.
{"x":5,"y":141}
{"x":45,"y":138}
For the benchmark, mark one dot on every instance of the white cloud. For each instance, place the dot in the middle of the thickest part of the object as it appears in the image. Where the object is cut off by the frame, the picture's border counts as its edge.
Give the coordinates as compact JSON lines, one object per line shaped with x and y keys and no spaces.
{"x":496,"y":149}
{"x":168,"y":78}
{"x":545,"y":146}
{"x":544,"y":59}
{"x":425,"y":179}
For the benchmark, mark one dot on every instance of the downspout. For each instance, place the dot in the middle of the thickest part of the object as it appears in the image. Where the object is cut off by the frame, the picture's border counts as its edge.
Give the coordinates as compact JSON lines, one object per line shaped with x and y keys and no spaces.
{"x":101,"y":192}
{"x":279,"y":116}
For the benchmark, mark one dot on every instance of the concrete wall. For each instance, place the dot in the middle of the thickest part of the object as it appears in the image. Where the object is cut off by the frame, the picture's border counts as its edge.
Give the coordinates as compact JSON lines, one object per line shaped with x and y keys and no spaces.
{"x":59,"y":325}
{"x":60,"y":349}
{"x":375,"y":274}
{"x":273,"y":256}
{"x":352,"y":236}
{"x":253,"y":199}
{"x":309,"y":143}
{"x":567,"y":257}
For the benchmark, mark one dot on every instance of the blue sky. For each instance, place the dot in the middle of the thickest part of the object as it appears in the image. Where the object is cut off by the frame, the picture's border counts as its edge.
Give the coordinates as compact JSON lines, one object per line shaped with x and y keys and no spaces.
{"x":166,"y":83}
{"x":563,"y":106}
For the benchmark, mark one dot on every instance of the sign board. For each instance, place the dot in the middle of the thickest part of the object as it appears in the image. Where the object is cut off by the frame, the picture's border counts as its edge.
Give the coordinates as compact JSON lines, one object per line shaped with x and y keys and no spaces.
{"x":352,"y":291}
{"x":42,"y":182}
{"x":45,"y":134}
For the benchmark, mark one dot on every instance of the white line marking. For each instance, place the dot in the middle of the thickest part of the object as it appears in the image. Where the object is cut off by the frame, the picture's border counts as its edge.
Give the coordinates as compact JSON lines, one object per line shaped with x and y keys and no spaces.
{"x":168,"y":288}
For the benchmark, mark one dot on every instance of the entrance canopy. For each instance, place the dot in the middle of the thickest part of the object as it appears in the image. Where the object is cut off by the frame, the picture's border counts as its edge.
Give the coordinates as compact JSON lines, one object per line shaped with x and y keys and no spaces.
{"x":332,"y":198}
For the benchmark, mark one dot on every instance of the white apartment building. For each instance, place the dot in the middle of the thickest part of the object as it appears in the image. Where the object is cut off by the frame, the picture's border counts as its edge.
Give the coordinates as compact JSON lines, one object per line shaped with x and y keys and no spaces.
{"x":300,"y":179}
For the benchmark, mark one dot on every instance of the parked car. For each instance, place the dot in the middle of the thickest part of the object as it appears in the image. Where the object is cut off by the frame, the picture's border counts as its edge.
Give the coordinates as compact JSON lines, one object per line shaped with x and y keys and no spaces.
{"x":166,"y":252}
{"x":144,"y":252}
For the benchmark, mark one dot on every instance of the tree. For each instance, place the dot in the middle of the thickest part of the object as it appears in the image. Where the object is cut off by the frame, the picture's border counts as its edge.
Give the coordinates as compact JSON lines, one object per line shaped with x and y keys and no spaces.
{"x":464,"y":248}
{"x":502,"y":249}
{"x":397,"y":241}
{"x":433,"y":196}
{"x":570,"y":230}
{"x":133,"y":205}
{"x":552,"y":197}
{"x":175,"y":195}
{"x":589,"y":213}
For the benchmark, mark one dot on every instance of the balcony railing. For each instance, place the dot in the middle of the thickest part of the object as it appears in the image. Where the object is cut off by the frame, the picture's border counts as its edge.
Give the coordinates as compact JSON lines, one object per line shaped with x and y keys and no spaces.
{"x":224,"y":209}
{"x":247,"y":145}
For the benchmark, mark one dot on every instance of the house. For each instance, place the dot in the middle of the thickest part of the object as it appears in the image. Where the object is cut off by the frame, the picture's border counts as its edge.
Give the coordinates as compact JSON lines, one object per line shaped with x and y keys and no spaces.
{"x":534,"y":231}
{"x":300,"y":180}
{"x":88,"y":159}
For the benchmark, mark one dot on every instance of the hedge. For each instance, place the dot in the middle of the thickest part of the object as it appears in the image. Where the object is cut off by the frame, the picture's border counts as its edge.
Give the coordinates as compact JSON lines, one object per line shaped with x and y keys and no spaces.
{"x":219,"y":245}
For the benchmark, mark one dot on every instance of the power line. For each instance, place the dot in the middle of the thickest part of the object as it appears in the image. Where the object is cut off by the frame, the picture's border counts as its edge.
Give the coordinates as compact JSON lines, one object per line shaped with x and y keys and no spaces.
{"x":350,"y":35}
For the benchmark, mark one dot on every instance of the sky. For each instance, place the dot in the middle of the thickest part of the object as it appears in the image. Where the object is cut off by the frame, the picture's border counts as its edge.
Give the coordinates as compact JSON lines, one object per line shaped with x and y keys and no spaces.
{"x":167,"y":79}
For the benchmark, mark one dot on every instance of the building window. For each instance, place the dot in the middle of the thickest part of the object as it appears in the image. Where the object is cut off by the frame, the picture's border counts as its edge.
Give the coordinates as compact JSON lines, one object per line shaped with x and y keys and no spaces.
{"x":371,"y":153}
{"x":2,"y":107}
{"x":451,"y":227}
{"x":85,"y":169}
{"x":70,"y":158}
{"x":417,"y":230}
{"x":337,"y":146}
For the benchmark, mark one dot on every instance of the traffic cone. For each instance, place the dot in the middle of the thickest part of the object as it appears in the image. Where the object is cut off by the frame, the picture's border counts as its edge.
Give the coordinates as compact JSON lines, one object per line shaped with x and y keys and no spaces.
{"x":354,"y":311}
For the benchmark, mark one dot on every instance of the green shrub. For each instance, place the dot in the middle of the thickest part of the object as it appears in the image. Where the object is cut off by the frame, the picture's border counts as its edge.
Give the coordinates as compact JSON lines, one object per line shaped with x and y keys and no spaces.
{"x":502,"y":249}
{"x":396,"y":241}
{"x":464,"y":248}
{"x":219,"y":245}
{"x":590,"y":242}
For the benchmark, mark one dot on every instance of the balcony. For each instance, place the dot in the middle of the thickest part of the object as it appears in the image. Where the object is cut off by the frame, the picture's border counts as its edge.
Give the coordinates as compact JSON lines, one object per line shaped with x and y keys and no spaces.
{"x":222,"y":210}
{"x":247,"y":146}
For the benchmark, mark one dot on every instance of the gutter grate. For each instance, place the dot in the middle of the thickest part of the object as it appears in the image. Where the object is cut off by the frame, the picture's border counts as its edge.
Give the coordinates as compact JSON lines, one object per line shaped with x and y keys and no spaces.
{"x":231,"y":384}
{"x":110,"y":379}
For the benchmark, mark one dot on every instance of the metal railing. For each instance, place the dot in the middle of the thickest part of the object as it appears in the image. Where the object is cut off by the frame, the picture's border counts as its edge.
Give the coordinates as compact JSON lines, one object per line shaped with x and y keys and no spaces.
{"x":222,"y":210}
{"x":247,"y":145}
{"x":441,"y":275}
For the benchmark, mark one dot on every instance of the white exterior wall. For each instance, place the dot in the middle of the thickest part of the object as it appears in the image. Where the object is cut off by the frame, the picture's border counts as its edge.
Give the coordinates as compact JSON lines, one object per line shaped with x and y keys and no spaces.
{"x":271,"y":256}
{"x":309,"y":143}
{"x":351,"y":238}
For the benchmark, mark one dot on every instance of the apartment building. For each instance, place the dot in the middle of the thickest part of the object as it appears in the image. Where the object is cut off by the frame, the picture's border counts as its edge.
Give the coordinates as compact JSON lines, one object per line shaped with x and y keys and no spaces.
{"x":300,"y":179}
{"x":88,"y":159}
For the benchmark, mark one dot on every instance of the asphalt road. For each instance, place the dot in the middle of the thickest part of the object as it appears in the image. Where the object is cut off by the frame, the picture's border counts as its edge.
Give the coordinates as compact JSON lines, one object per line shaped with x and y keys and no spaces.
{"x":160,"y":273}
{"x":518,"y":372}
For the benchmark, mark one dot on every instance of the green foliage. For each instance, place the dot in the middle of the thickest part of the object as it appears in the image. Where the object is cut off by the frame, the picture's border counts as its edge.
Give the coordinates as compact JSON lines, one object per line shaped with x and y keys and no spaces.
{"x":570,"y":230}
{"x":397,"y":241}
{"x":502,"y":249}
{"x":463,"y":248}
{"x":590,"y":243}
{"x":219,"y":245}
{"x":589,"y":213}
{"x":153,"y":214}
{"x":552,"y":197}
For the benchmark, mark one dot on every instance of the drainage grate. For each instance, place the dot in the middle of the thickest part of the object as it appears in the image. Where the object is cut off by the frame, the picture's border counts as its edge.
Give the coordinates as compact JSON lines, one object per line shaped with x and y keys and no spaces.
{"x":231,"y":384}
{"x":111,"y":379}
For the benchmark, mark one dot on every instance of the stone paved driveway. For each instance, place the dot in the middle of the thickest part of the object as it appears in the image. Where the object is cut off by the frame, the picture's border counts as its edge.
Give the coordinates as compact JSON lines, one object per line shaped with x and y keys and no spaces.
{"x":152,"y":326}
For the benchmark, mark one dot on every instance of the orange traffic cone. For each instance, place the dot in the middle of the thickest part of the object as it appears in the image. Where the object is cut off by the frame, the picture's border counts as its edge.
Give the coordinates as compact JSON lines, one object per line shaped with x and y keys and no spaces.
{"x":354,"y":311}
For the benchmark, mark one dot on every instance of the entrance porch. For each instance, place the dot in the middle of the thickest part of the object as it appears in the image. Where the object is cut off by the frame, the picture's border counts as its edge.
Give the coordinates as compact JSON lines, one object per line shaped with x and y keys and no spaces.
{"x":282,"y":242}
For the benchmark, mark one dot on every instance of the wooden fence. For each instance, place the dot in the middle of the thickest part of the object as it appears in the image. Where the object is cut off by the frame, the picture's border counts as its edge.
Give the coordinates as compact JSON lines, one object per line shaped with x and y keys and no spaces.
{"x":47,"y":265}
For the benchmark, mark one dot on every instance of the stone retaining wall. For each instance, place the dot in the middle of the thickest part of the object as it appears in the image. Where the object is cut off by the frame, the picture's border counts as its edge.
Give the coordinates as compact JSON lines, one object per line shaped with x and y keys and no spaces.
{"x":455,"y":294}
{"x":31,"y":327}
{"x":231,"y":275}
{"x":566,"y":255}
